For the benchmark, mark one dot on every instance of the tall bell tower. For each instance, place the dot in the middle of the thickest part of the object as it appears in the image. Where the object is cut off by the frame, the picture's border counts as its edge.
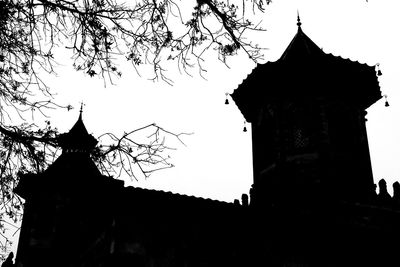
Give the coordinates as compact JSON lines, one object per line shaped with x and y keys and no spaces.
{"x":307,"y":111}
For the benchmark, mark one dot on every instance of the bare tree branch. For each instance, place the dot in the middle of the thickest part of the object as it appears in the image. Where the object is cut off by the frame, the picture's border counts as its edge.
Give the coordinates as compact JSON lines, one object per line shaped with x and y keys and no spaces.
{"x":129,"y":156}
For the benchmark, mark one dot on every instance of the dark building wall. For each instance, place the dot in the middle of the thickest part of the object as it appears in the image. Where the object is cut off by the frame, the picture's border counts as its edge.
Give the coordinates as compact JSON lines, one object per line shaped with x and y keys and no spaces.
{"x":348,"y":153}
{"x":171,"y":230}
{"x":106,"y":224}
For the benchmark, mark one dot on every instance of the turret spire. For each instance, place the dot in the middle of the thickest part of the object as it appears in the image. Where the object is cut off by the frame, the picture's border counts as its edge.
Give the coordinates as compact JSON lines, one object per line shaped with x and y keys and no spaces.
{"x":81,"y":110}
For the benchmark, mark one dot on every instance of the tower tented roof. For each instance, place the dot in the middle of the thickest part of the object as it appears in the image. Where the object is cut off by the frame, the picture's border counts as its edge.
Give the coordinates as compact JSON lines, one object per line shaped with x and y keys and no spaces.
{"x":304,"y":70}
{"x":301,"y":47}
{"x":78,"y":138}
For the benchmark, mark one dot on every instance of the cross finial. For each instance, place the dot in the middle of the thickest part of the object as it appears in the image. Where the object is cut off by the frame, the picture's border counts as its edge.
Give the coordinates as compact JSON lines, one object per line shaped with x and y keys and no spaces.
{"x":298,"y":19}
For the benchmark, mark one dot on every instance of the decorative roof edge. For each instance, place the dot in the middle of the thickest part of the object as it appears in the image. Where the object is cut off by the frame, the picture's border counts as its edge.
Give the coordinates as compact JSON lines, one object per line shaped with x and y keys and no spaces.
{"x":258,"y":65}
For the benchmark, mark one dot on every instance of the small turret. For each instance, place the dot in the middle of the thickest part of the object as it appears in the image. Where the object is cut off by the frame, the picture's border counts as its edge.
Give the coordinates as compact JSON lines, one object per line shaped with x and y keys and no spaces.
{"x":77,"y":139}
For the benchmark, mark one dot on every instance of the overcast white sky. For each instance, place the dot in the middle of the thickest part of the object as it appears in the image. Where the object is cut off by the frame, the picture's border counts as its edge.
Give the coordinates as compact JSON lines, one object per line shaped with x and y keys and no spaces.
{"x":216,"y":162}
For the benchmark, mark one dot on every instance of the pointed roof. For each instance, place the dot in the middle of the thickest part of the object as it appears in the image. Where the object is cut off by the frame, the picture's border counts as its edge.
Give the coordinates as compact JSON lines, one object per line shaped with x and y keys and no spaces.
{"x":73,"y":171}
{"x":77,"y":139}
{"x":301,"y":47}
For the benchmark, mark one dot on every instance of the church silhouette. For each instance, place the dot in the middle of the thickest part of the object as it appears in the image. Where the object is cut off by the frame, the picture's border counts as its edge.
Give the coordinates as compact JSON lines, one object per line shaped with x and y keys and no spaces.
{"x":313,"y":201}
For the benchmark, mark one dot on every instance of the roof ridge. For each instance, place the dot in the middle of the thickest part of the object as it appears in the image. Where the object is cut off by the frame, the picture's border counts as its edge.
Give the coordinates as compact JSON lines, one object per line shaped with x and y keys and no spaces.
{"x":176,"y":194}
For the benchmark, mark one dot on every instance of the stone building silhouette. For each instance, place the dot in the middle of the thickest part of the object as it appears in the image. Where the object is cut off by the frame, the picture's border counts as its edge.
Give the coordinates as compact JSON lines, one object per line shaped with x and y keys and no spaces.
{"x":313,"y":201}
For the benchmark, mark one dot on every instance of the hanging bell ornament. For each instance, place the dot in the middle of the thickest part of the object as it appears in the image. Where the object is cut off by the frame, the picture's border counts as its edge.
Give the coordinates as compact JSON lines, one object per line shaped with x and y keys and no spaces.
{"x":244,"y":127}
{"x":386,"y":101}
{"x":226,"y":99}
{"x":379,"y":72}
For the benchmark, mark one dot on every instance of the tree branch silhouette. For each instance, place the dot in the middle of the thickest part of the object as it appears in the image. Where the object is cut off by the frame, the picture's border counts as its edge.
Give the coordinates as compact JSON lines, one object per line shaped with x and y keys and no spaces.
{"x":132,"y":156}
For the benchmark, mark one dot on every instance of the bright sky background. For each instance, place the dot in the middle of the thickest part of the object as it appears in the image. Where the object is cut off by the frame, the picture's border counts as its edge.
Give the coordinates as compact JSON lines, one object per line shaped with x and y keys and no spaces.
{"x":216,"y":161}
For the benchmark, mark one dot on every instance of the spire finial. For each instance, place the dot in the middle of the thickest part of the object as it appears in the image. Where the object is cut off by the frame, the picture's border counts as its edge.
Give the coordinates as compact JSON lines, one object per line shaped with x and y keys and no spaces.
{"x":298,"y":19}
{"x":81,"y":110}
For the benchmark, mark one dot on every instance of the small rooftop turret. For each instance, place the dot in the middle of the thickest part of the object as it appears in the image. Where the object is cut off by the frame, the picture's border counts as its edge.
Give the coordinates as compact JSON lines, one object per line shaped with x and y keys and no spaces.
{"x":77,"y":139}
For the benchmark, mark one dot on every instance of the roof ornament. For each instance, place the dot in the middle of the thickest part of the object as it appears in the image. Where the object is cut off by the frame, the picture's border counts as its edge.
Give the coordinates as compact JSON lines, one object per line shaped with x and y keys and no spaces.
{"x":379,"y":72}
{"x":386,"y":101}
{"x":298,"y":19}
{"x":244,"y":127}
{"x":81,"y":110}
{"x":226,"y":99}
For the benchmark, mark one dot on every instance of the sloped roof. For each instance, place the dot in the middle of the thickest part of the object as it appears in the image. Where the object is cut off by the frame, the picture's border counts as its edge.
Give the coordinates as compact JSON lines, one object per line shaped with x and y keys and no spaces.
{"x":301,"y":47}
{"x":73,"y":165}
{"x":304,"y":70}
{"x":158,"y":197}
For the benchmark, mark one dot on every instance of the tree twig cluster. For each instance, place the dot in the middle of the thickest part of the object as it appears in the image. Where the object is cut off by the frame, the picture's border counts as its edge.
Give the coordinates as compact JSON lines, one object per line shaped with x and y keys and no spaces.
{"x":99,"y":32}
{"x":136,"y":154}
